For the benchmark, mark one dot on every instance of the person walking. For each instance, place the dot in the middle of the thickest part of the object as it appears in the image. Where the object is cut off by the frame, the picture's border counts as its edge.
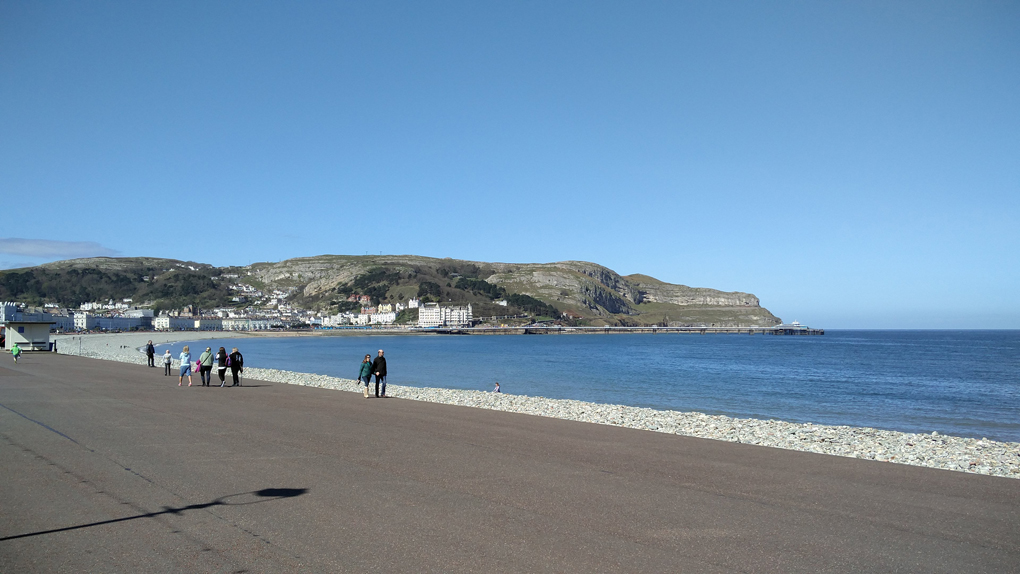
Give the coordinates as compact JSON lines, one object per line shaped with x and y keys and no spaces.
{"x":365,"y":374}
{"x":205,"y":368}
{"x":379,"y":368}
{"x":150,"y":352}
{"x":167,"y":359}
{"x":16,"y":352}
{"x":221,"y":365}
{"x":236,"y":365}
{"x":185,"y":366}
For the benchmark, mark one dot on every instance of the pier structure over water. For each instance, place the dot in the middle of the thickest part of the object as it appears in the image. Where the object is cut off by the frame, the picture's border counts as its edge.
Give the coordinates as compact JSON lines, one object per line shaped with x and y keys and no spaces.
{"x":556,"y":330}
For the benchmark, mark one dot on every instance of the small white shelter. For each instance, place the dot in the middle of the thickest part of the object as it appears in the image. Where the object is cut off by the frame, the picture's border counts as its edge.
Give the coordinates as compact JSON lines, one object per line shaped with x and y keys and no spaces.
{"x":29,"y":335}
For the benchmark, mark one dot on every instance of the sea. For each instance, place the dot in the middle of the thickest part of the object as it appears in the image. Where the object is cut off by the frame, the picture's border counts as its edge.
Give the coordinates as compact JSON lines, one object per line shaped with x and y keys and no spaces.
{"x":962,"y":383}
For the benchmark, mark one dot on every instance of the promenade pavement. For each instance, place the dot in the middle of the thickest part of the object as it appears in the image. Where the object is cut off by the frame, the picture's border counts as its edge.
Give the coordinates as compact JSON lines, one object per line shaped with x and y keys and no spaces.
{"x":111,"y":467}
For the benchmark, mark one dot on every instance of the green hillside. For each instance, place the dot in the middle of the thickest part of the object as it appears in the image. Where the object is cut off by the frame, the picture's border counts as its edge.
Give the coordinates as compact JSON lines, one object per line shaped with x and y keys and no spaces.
{"x":160,"y":283}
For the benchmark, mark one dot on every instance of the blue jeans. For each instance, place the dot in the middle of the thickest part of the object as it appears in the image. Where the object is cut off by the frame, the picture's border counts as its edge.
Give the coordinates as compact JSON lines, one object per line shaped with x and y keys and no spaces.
{"x":380,"y":379}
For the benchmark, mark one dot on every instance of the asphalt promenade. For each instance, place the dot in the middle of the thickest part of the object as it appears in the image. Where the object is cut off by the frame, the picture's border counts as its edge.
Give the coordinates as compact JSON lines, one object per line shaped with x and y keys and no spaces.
{"x":111,"y":467}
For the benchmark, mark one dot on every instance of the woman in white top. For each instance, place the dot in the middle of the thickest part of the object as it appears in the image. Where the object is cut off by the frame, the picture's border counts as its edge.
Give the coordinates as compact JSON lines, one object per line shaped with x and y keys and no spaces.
{"x":185,"y":366}
{"x":167,"y":358}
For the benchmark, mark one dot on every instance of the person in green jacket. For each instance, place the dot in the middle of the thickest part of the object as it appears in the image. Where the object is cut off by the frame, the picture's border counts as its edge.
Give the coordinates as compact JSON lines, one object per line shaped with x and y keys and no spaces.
{"x":365,"y":374}
{"x":205,"y":370}
{"x":16,"y":351}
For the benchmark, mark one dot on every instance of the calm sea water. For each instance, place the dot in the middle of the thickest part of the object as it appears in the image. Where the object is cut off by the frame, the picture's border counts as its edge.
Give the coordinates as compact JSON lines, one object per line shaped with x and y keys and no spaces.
{"x":964,"y":383}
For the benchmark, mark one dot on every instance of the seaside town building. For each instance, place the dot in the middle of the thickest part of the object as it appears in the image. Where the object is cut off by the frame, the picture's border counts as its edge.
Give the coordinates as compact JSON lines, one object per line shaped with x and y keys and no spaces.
{"x":120,"y":316}
{"x":241,"y":324}
{"x":435,"y":315}
{"x":8,"y":312}
{"x":205,"y":324}
{"x":383,"y":318}
{"x":85,"y":321}
{"x":58,"y":319}
{"x":168,"y":323}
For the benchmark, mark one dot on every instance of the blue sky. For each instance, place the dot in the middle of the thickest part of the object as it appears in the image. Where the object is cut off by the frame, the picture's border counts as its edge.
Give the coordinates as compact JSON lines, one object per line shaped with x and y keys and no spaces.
{"x":854,"y":164}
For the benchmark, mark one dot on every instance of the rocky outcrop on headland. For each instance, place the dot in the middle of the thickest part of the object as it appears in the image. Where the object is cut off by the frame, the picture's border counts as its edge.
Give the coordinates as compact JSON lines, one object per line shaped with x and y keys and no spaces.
{"x":652,"y":290}
{"x":593,"y":290}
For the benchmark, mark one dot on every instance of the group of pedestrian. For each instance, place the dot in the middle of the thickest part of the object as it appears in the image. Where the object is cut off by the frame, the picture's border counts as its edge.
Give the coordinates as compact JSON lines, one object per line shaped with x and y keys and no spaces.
{"x":376,"y":367}
{"x":204,"y":365}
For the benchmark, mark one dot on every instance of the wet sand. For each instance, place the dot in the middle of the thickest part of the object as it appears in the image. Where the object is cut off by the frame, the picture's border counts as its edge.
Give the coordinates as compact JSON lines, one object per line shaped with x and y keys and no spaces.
{"x":112,"y":467}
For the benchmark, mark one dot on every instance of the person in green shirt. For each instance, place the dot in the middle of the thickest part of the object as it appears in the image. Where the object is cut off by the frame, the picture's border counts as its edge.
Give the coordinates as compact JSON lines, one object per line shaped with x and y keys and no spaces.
{"x":16,"y":351}
{"x":205,"y":370}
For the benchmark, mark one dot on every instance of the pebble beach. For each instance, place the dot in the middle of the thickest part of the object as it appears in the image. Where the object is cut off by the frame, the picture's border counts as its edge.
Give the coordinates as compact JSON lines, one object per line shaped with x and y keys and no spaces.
{"x":978,"y":456}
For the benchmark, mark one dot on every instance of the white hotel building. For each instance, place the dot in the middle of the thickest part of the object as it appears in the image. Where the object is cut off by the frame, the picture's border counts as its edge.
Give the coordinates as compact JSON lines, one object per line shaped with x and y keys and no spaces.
{"x":435,"y":315}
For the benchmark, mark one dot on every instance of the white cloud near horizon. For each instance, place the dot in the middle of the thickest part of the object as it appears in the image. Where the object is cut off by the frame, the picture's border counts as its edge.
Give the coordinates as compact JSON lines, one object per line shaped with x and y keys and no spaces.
{"x":6,"y":264}
{"x":50,"y":249}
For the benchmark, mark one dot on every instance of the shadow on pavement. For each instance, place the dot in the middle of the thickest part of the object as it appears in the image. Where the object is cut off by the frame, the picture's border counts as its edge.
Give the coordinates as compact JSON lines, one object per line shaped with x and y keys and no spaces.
{"x":256,"y":497}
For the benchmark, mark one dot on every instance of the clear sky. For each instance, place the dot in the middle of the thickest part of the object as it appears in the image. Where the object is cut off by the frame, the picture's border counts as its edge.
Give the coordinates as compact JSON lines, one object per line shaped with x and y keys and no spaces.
{"x":854,"y":164}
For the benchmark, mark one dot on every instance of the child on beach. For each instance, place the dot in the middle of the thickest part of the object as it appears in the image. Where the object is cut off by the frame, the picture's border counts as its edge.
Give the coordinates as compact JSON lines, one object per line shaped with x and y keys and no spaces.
{"x":16,"y":352}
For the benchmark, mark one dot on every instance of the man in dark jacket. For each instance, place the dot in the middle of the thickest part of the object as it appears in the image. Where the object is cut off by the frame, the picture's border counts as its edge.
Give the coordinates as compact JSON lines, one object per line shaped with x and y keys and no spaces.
{"x":150,"y":352}
{"x":379,"y":368}
{"x":236,"y":362}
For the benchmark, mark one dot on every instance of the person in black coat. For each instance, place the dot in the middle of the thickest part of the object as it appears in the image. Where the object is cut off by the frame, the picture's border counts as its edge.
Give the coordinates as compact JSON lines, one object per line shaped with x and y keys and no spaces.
{"x":379,"y":368}
{"x":150,"y":352}
{"x":236,"y":365}
{"x":221,"y":365}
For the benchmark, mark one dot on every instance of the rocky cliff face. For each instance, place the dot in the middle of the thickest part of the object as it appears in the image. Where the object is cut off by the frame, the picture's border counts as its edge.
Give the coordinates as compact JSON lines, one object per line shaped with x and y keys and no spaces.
{"x":590,"y":289}
{"x":654,"y":291}
{"x":312,"y":276}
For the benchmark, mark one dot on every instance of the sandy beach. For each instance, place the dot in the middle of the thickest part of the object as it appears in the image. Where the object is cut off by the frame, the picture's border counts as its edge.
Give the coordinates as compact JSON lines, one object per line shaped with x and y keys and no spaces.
{"x":930,"y":450}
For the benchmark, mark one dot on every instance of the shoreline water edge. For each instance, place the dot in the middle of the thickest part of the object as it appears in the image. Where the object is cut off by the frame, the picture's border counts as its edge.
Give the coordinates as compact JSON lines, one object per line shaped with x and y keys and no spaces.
{"x":972,"y":455}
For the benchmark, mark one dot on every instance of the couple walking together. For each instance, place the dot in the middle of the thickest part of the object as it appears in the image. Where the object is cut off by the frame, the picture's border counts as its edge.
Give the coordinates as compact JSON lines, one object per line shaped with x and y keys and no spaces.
{"x":377,"y":368}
